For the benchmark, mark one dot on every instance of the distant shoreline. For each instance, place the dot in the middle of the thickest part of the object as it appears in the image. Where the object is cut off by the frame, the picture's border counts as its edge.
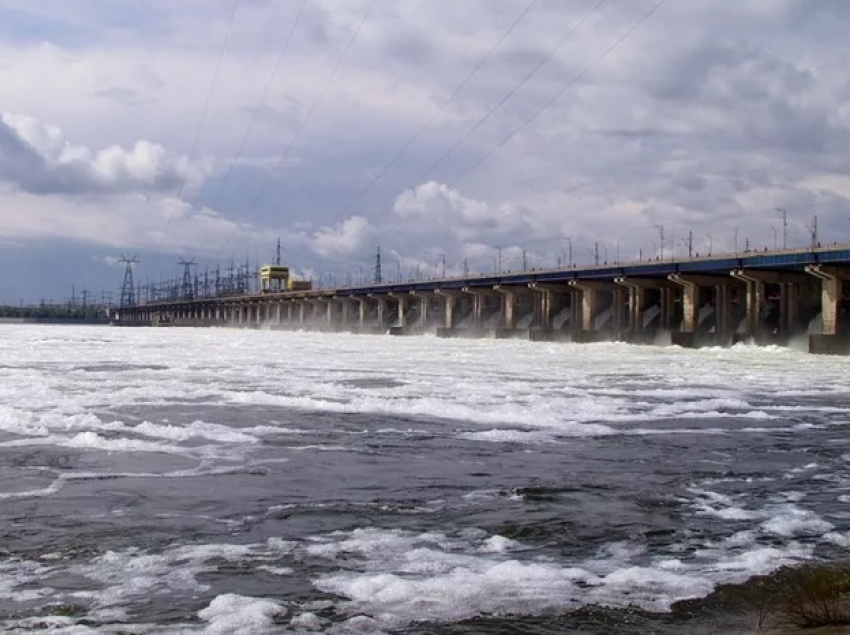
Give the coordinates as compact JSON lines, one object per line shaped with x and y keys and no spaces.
{"x":50,"y":320}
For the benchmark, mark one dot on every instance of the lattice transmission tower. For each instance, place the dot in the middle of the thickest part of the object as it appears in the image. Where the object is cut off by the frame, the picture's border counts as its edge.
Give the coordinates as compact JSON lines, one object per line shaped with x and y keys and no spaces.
{"x":188,"y":289}
{"x":128,"y":289}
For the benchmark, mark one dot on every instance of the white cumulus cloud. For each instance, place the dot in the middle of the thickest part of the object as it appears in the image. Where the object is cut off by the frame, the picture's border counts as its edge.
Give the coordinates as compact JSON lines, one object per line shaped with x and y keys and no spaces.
{"x":37,"y":158}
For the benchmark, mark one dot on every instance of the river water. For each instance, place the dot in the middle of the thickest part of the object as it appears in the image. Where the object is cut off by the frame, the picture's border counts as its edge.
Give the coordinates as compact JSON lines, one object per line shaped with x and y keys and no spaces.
{"x":224,"y":481}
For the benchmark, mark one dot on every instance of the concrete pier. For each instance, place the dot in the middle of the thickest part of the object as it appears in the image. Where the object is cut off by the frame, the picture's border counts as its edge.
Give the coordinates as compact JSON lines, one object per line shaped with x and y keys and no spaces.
{"x":766,"y":297}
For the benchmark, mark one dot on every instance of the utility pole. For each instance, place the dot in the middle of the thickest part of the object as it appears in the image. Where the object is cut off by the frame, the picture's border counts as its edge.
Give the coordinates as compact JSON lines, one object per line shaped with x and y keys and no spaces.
{"x":524,"y":260}
{"x":277,"y":253}
{"x":443,"y":266}
{"x":570,"y":250}
{"x":378,"y":276}
{"x":465,"y":268}
{"x":784,"y":215}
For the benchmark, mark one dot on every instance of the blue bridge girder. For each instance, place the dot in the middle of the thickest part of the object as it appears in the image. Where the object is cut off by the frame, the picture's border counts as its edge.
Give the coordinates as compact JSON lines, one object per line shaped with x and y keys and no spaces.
{"x":785,"y":261}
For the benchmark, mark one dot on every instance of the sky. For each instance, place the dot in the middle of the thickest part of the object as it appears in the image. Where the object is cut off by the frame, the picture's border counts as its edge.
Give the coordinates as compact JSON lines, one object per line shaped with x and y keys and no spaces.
{"x":456,"y":136}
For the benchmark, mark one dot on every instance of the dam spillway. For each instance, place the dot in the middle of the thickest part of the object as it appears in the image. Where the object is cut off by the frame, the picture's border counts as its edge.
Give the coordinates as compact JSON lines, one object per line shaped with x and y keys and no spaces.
{"x":764,"y":297}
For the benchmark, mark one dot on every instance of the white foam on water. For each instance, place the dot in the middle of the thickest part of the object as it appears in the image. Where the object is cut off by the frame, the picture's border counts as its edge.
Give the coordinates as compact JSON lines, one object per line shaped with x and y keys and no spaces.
{"x":307,"y":622}
{"x":281,"y":571}
{"x":400,"y":577}
{"x":721,"y":506}
{"x":232,"y":614}
{"x":203,"y":469}
{"x":194,"y":430}
{"x":539,"y":386}
{"x":790,"y":520}
{"x":502,"y":435}
{"x":516,"y":392}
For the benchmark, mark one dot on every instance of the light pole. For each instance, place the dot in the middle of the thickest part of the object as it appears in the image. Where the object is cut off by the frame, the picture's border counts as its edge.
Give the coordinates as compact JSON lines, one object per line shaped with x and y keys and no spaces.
{"x":660,"y":229}
{"x":689,"y":243}
{"x":784,"y":215}
{"x":813,"y":230}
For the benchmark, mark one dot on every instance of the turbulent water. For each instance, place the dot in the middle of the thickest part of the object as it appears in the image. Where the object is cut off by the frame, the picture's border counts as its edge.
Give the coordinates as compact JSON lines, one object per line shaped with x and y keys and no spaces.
{"x":226,"y":481}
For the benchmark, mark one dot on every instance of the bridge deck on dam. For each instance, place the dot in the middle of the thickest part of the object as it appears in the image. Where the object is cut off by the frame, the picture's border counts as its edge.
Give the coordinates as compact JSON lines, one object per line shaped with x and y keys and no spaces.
{"x":769,"y":296}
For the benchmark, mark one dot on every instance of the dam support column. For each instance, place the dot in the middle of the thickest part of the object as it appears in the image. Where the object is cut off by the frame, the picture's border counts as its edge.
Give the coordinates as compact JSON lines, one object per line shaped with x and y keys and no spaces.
{"x":698,"y":292}
{"x":754,"y":299}
{"x":400,"y":327}
{"x":450,"y":297}
{"x":508,"y":312}
{"x":345,"y":312}
{"x":667,"y":304}
{"x":724,"y":326}
{"x":423,"y":301}
{"x":479,"y":308}
{"x":551,"y":319}
{"x":591,"y":306}
{"x":380,"y":323}
{"x":515,"y":306}
{"x":330,"y":314}
{"x":362,"y":312}
{"x":784,"y":320}
{"x":833,"y":338}
{"x":686,"y":336}
{"x":635,"y":305}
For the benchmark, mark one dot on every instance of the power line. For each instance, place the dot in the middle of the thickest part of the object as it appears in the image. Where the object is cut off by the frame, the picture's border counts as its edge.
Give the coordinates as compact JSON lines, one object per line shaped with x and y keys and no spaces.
{"x":578,"y":77}
{"x":265,"y":185}
{"x":516,"y":87}
{"x":262,"y":100}
{"x":210,"y":91}
{"x":403,"y":150}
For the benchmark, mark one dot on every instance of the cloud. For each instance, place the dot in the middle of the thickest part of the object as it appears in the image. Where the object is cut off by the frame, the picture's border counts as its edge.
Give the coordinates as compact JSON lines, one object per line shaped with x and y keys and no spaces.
{"x":110,"y":261}
{"x":129,"y":221}
{"x":38,"y":159}
{"x":704,"y":120}
{"x":347,"y":238}
{"x":435,"y":208}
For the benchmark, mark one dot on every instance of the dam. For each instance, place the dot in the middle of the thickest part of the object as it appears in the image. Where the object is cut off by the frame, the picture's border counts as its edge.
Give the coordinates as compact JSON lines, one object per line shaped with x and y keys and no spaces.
{"x":766,"y":297}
